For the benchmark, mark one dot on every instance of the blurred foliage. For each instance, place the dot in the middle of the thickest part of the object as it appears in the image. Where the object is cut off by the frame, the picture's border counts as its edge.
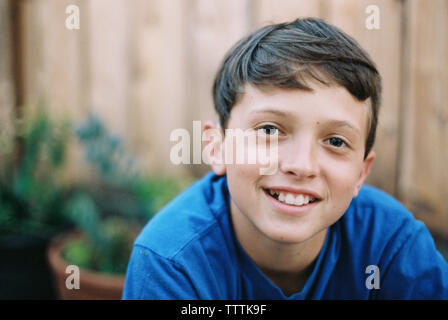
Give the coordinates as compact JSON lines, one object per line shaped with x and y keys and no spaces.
{"x":108,"y":254}
{"x":32,"y":194}
{"x":109,"y":212}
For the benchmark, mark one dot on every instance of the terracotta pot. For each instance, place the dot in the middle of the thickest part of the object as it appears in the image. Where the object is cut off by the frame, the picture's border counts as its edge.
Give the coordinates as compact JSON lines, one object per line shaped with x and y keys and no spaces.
{"x":93,"y":285}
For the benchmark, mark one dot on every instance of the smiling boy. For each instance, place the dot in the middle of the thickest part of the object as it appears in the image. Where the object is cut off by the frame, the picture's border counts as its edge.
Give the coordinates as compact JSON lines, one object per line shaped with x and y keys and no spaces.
{"x":311,"y":229}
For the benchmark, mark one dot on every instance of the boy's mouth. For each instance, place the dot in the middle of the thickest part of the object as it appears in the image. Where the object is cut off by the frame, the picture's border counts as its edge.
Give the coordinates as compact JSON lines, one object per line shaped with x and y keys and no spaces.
{"x":290,"y":198}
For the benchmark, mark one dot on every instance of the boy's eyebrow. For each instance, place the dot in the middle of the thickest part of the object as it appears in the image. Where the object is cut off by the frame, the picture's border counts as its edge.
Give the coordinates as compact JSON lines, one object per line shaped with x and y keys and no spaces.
{"x":269,"y":110}
{"x":342,"y":123}
{"x":332,"y":122}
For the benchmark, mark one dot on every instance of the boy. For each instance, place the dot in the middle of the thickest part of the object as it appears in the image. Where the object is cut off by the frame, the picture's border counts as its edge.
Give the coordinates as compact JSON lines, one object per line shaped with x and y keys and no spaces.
{"x":309,"y":230}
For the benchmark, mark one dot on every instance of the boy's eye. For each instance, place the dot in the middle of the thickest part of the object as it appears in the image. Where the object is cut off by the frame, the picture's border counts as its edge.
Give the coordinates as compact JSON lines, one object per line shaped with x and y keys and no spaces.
{"x":337,"y":142}
{"x":268,"y":129}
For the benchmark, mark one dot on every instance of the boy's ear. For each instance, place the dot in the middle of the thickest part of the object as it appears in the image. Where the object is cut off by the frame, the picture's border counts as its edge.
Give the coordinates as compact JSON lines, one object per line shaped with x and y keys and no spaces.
{"x":365,"y":171}
{"x":213,"y":138}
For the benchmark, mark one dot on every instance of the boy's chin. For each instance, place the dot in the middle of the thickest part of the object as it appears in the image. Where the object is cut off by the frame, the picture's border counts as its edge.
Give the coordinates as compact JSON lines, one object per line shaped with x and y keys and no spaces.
{"x":290,"y":236}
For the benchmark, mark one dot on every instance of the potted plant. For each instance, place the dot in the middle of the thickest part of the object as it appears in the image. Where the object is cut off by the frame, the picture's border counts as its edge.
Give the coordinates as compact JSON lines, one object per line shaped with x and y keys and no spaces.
{"x":32,"y":196}
{"x":108,"y":215}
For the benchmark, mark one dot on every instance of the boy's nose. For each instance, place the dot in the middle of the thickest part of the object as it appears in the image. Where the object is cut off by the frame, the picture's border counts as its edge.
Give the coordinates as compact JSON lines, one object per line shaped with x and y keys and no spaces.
{"x":299,"y":159}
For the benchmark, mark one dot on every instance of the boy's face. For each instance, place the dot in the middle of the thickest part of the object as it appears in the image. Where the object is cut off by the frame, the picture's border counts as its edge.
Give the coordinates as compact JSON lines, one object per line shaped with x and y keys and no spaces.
{"x":321,"y":142}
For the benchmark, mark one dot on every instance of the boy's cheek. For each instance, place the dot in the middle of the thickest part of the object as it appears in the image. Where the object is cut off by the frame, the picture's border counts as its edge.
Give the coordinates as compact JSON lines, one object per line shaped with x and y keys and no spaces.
{"x":245,"y":173}
{"x":342,"y":179}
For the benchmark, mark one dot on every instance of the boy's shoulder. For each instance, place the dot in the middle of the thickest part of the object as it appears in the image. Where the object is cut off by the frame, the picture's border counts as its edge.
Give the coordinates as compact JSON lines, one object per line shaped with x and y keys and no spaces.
{"x":192,"y":214}
{"x":373,"y":196}
{"x":375,"y":205}
{"x":376,"y":226}
{"x":378,"y":231}
{"x":375,"y":213}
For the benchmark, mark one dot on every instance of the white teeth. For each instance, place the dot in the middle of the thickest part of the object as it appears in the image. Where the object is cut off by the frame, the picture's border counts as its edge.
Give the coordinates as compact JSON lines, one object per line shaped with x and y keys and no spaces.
{"x":281,"y":197}
{"x":306,"y":199}
{"x":292,"y":199}
{"x":299,"y":200}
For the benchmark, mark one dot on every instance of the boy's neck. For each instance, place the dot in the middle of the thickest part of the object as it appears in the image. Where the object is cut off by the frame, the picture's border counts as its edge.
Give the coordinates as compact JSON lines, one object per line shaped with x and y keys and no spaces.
{"x":289,"y":283}
{"x":286,"y":265}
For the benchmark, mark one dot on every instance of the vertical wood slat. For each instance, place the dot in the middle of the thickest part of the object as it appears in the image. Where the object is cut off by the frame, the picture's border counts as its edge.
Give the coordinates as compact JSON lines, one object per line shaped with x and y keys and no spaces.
{"x":6,"y":76}
{"x":423,"y":182}
{"x":109,"y":61}
{"x":267,"y":12}
{"x":158,"y":86}
{"x":7,"y":83}
{"x":54,"y":68}
{"x":51,"y":57}
{"x":212,"y":29}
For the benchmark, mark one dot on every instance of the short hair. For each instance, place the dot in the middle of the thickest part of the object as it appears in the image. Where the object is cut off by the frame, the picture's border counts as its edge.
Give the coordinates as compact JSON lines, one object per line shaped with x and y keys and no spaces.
{"x":283,"y":55}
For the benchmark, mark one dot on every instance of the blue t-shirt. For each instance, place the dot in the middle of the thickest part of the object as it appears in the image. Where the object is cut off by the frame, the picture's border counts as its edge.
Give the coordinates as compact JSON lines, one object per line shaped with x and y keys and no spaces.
{"x":375,"y":250}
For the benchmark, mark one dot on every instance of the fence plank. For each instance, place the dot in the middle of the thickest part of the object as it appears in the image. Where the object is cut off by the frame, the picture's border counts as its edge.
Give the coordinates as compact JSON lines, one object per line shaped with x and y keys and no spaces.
{"x":158,"y":83}
{"x":267,"y":12}
{"x":423,"y":176}
{"x":109,"y":61}
{"x":212,"y":29}
{"x":7,"y":99}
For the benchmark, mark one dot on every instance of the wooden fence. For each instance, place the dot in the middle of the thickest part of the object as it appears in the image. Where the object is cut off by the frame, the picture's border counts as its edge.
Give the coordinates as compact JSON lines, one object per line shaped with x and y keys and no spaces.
{"x":146,"y":67}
